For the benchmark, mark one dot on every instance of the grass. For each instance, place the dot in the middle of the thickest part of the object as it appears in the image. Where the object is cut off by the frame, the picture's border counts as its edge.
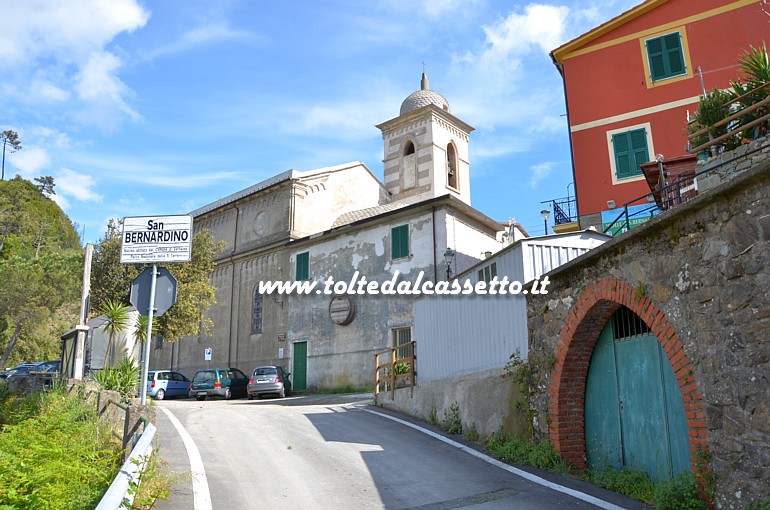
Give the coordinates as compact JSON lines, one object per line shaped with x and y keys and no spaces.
{"x":518,"y":450}
{"x":54,"y":452}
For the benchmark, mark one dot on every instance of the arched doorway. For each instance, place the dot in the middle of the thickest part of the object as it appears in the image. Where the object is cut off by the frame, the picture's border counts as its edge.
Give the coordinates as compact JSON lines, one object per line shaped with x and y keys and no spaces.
{"x":634,"y":414}
{"x":583,"y":327}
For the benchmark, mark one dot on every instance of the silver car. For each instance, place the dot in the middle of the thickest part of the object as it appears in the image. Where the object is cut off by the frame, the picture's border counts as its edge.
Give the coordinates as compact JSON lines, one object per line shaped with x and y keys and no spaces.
{"x":269,"y":379}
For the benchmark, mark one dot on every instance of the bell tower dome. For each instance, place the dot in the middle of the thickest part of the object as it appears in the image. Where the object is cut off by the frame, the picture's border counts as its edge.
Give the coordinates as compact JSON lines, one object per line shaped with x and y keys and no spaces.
{"x":426,"y":149}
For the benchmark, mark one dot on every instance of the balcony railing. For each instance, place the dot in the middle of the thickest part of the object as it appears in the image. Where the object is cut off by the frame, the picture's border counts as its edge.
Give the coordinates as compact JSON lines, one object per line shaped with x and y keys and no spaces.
{"x":564,"y":210}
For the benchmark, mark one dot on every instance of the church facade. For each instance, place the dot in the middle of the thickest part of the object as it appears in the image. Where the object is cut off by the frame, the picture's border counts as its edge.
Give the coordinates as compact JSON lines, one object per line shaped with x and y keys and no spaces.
{"x":337,"y":224}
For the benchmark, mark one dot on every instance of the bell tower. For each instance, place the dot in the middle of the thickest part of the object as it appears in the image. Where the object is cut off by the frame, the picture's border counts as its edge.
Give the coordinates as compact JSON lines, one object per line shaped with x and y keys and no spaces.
{"x":426,"y":149}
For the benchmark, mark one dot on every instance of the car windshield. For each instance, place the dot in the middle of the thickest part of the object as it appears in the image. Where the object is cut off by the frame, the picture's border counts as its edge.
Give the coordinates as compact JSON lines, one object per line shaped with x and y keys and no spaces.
{"x":265,"y":371}
{"x":204,"y":376}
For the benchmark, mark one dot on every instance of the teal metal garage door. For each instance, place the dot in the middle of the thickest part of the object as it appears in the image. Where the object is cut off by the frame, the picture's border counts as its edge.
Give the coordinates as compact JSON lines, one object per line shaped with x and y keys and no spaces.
{"x":634,"y":416}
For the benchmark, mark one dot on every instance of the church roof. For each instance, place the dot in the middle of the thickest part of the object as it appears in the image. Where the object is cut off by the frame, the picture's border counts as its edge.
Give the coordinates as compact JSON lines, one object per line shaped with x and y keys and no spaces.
{"x":423,"y":97}
{"x":369,"y":212}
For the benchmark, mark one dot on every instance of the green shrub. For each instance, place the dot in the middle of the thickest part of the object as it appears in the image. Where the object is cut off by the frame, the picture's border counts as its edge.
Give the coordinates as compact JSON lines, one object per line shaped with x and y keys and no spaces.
{"x":522,"y":451}
{"x":759,"y":505}
{"x":452,"y":423}
{"x":682,"y":493}
{"x":123,"y":377}
{"x":59,"y":456}
{"x":634,"y":484}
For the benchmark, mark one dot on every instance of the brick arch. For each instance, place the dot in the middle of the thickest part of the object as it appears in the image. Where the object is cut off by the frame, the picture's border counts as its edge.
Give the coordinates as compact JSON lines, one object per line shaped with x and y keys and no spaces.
{"x":585,"y":321}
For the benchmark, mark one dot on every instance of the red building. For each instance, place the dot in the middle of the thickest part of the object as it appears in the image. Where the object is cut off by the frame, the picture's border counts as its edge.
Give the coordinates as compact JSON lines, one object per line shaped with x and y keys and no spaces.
{"x":630,"y":83}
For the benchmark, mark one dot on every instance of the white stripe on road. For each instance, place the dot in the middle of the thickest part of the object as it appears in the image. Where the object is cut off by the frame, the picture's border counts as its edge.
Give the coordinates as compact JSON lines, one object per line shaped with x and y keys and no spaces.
{"x":528,"y":476}
{"x":200,"y":485}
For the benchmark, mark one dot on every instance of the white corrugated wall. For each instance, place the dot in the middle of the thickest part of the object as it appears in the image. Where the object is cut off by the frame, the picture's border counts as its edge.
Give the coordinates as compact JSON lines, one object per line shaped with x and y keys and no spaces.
{"x":456,"y":335}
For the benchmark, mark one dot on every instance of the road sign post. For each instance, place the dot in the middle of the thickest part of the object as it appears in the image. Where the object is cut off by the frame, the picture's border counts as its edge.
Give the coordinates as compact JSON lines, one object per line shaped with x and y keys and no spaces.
{"x":143,"y":392}
{"x":153,"y":239}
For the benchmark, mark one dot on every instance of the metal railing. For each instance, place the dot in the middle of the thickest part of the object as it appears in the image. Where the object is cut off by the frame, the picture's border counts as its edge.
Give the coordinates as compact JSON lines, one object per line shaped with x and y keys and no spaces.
{"x":398,"y":365}
{"x":673,"y":194}
{"x":564,"y":209}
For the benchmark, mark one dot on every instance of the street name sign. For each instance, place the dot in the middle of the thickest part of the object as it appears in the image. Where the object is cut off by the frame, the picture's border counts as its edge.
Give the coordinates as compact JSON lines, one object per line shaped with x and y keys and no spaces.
{"x":151,"y":239}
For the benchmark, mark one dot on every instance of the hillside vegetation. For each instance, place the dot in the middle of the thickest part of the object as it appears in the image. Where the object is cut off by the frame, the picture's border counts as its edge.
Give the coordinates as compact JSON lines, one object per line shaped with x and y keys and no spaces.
{"x":41,"y":265}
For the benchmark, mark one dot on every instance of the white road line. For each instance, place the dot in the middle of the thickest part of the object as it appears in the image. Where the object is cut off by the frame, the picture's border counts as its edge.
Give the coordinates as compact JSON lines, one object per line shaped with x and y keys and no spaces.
{"x":528,"y":476}
{"x":200,"y":485}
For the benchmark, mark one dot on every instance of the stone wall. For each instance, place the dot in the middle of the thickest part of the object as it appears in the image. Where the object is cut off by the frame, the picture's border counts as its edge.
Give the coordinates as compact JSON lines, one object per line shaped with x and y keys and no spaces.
{"x":699,"y":277}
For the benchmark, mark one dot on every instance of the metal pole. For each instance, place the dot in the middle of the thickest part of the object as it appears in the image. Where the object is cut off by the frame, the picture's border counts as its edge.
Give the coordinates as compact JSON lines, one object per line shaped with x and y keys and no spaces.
{"x":146,"y":364}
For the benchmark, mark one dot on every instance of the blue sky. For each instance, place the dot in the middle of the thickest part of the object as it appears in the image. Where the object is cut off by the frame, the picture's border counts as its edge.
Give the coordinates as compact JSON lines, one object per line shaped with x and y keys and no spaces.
{"x":140,"y":107}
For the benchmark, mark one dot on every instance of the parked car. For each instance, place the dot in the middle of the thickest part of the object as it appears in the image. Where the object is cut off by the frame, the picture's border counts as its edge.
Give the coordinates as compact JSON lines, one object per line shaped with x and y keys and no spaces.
{"x":269,"y":379}
{"x":37,"y":368}
{"x":21,"y":369}
{"x":218,"y":382}
{"x":167,"y":383}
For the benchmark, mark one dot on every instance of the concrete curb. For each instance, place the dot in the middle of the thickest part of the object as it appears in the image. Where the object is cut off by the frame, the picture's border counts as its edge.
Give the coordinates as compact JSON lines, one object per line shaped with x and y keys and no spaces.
{"x":118,"y":492}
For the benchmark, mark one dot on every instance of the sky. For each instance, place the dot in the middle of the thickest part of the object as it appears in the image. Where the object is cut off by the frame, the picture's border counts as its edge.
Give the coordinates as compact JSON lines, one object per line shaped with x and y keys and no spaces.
{"x":159,"y":107}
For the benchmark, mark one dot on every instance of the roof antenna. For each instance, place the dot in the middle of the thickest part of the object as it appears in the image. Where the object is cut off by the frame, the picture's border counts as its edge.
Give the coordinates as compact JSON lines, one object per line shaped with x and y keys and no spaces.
{"x":424,"y":80}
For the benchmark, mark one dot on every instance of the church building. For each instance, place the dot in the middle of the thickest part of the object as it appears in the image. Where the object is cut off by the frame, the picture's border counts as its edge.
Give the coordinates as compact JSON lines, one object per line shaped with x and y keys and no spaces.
{"x":339,"y":224}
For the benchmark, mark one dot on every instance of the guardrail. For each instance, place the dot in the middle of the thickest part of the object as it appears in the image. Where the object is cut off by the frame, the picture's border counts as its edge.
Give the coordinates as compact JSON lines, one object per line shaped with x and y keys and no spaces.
{"x":399,"y":366}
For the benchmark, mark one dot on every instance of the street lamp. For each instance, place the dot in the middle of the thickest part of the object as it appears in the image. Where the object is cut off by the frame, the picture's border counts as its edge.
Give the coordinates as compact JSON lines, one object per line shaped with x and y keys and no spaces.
{"x":449,"y":256}
{"x":545,"y":213}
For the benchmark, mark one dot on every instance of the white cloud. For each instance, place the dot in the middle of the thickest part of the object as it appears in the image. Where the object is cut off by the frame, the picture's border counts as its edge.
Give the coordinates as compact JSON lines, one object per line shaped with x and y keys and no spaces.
{"x":47,"y":91}
{"x":55,"y":46}
{"x":30,"y":161}
{"x":97,"y":84}
{"x":61,"y":201}
{"x":539,"y":25}
{"x":540,"y":172}
{"x":68,"y":30}
{"x":201,"y":36}
{"x":79,"y":186}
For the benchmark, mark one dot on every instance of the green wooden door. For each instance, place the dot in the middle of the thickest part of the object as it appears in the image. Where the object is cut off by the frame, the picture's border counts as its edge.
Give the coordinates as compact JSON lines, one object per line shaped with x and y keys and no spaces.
{"x":634,"y":415}
{"x":299,"y":372}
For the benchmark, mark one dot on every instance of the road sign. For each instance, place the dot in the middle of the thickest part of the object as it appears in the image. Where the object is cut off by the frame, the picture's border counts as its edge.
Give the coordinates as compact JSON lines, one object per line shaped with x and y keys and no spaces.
{"x":150,"y":239}
{"x":207,"y":354}
{"x":165,"y":291}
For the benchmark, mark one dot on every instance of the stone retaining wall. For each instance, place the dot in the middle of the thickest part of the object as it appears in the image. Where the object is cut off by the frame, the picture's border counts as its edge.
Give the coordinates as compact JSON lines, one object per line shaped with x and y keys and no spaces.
{"x":699,"y":276}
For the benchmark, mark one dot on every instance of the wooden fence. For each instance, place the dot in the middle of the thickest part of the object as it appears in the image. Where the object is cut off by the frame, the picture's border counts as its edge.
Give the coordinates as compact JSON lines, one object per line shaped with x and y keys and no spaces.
{"x":393,"y":366}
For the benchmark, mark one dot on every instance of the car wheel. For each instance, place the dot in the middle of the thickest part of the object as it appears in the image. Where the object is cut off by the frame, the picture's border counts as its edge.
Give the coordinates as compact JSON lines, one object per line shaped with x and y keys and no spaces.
{"x":160,"y":395}
{"x":200,"y":397}
{"x":228,"y":393}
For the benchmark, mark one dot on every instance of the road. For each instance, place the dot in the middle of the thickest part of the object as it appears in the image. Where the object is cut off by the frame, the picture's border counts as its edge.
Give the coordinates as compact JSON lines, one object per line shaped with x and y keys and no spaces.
{"x":340,"y":452}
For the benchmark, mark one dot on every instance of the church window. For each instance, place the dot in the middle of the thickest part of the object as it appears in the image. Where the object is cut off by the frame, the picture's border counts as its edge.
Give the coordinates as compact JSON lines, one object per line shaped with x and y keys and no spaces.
{"x":303,"y":266}
{"x":451,"y":166}
{"x":409,"y":148}
{"x":256,"y":312}
{"x":399,"y":242}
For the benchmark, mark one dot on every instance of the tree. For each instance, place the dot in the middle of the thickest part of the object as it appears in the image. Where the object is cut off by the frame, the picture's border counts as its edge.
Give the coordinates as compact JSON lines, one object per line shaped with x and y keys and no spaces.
{"x":36,"y":293}
{"x":117,"y":317}
{"x":111,"y":280}
{"x":11,"y":143}
{"x":45,"y":185}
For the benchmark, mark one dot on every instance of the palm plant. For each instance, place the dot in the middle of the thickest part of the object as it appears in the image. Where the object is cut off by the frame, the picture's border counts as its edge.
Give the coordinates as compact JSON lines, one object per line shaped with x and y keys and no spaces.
{"x":140,"y":333}
{"x":117,"y":317}
{"x":754,"y":66}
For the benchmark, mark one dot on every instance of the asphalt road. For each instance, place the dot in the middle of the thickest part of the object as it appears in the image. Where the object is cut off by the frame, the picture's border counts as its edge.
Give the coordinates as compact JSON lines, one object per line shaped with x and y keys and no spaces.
{"x":340,"y":452}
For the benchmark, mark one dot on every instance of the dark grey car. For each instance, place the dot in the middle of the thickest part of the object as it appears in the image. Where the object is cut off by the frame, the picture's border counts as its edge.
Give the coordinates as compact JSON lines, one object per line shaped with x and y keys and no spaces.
{"x":269,"y":380}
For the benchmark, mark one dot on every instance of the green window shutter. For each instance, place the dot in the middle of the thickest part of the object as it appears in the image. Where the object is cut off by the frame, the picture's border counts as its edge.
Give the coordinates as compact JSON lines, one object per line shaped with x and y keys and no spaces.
{"x":303,"y":266}
{"x":620,"y":145}
{"x":399,"y":242}
{"x":630,"y":152}
{"x":638,"y":139}
{"x":674,"y":55}
{"x":665,"y":56}
{"x":655,"y":55}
